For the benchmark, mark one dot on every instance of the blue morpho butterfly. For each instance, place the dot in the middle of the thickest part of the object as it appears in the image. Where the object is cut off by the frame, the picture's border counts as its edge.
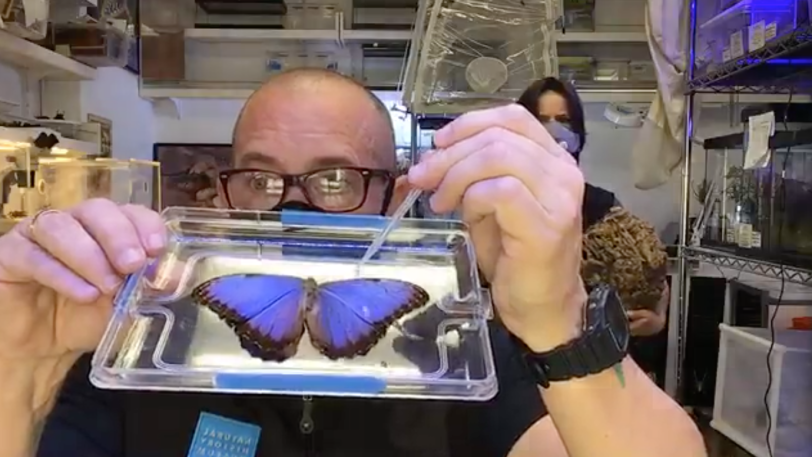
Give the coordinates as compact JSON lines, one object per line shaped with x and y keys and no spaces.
{"x":344,"y":319}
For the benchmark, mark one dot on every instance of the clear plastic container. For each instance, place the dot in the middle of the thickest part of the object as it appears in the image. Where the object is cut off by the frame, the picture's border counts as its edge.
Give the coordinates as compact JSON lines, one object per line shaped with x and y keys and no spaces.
{"x":579,"y":15}
{"x":741,"y":383}
{"x":281,"y":61}
{"x":295,"y":18}
{"x":93,"y":44}
{"x":18,"y":195}
{"x":66,"y":183}
{"x":730,"y":31}
{"x":191,"y":321}
{"x":26,"y":19}
{"x":320,"y":17}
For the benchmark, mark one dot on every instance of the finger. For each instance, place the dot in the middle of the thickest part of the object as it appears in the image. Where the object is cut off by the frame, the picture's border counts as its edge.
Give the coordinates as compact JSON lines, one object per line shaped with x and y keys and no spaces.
{"x":150,"y":228}
{"x":61,"y":236}
{"x":506,"y":144}
{"x":23,"y":261}
{"x":526,"y":233}
{"x":492,"y":159}
{"x":510,"y":117}
{"x":113,"y":233}
{"x":505,"y":199}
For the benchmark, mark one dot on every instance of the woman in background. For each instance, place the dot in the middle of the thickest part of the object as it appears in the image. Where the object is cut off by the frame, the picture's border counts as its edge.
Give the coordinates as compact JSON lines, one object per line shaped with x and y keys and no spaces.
{"x":619,"y":248}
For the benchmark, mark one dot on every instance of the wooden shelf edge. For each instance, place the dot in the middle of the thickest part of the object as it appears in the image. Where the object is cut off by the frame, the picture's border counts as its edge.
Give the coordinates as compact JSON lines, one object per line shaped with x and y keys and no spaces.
{"x":43,"y":62}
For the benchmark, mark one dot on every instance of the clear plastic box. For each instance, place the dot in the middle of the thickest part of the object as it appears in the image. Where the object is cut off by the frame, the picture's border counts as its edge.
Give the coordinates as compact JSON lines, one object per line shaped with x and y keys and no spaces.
{"x":190,"y":321}
{"x":17,"y":194}
{"x":26,"y":19}
{"x":729,"y":31}
{"x":65,"y":183}
{"x":741,"y":383}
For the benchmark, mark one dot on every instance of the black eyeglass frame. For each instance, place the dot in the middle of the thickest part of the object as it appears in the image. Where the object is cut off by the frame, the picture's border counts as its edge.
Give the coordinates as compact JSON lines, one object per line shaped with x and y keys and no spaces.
{"x":298,"y":180}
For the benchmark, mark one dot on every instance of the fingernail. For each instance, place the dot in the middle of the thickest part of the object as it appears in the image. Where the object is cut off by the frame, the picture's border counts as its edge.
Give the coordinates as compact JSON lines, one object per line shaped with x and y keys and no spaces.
{"x":155,"y":242}
{"x":130,"y":258}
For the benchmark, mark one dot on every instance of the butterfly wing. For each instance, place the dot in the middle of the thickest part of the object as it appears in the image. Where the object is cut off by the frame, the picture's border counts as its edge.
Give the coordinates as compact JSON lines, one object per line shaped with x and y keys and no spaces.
{"x":264,"y":310}
{"x":347,"y":318}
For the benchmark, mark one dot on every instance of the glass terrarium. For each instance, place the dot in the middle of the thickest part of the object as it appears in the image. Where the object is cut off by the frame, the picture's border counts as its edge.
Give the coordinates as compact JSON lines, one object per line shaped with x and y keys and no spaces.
{"x":760,"y":212}
{"x":19,"y":198}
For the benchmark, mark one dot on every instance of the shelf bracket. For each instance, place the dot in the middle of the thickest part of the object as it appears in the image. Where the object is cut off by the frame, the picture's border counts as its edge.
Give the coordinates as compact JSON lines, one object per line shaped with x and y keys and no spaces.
{"x":339,"y":25}
{"x":167,"y":107}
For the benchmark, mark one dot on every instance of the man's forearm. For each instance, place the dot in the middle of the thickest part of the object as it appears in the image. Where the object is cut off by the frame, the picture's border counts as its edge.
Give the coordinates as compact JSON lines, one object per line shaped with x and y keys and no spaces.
{"x":24,"y":406}
{"x":19,"y":425}
{"x":19,"y":433}
{"x":621,"y":413}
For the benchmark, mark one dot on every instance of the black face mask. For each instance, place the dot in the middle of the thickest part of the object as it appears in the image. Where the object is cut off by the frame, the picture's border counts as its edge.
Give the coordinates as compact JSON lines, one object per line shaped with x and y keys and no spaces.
{"x":293,"y":205}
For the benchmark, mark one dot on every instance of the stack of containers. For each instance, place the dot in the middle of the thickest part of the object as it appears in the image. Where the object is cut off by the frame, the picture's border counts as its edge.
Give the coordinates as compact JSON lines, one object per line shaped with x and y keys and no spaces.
{"x":728,"y":30}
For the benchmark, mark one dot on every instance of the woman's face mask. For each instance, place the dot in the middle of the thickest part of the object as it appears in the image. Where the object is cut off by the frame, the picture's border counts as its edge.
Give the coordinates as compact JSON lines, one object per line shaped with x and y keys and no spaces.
{"x":563,"y":135}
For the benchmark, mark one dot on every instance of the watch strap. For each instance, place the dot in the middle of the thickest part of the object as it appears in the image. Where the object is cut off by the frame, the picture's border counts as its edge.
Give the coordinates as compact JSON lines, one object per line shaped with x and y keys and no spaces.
{"x":599,"y":347}
{"x":590,"y":354}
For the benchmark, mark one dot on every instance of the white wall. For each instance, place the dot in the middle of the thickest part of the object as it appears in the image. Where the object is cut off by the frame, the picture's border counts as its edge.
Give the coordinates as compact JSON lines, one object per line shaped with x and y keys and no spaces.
{"x":201,"y":121}
{"x":11,"y":87}
{"x":16,"y":90}
{"x":112,"y":95}
{"x":607,"y":163}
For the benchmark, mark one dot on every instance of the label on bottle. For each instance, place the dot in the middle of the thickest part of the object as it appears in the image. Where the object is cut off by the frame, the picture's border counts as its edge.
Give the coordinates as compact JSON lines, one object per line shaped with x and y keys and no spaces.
{"x":757,"y":32}
{"x":755,"y":240}
{"x":745,"y":236}
{"x":737,"y":44}
{"x":730,"y":234}
{"x":771,"y":31}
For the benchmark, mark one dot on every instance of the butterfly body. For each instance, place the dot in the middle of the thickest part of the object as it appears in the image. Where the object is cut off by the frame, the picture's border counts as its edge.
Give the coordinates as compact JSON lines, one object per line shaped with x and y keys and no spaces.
{"x":344,"y":319}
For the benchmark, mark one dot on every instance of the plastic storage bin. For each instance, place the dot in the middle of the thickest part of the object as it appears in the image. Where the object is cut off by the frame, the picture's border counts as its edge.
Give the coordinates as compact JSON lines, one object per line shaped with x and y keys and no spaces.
{"x":733,"y":30}
{"x":741,"y":382}
{"x":256,"y":302}
{"x":303,"y":16}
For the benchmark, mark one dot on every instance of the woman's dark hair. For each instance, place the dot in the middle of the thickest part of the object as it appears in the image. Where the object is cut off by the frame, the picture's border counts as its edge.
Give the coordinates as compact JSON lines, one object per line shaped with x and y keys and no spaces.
{"x":575,"y":109}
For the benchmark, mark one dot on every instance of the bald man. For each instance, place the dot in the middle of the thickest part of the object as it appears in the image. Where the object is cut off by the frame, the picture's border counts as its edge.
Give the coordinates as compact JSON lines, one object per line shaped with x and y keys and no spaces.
{"x":314,"y":140}
{"x":302,"y":122}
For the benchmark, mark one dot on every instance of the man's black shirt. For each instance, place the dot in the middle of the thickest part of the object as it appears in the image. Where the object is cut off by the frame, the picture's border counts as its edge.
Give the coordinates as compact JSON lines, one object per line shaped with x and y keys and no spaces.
{"x":88,"y":422}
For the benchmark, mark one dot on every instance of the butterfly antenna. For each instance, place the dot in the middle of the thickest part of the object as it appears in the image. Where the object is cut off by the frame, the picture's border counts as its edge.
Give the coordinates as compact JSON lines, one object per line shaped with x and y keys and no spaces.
{"x":394,"y":221}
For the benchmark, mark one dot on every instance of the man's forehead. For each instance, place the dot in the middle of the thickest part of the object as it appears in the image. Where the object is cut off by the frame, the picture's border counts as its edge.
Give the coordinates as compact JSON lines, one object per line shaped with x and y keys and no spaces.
{"x":326,"y":120}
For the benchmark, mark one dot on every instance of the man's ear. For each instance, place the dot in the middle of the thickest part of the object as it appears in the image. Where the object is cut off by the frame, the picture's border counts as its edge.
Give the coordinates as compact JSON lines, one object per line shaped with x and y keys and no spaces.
{"x":399,"y":193}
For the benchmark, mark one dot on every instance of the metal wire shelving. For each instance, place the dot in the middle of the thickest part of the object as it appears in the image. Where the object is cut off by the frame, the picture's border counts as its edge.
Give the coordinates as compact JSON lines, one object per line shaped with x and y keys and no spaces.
{"x":782,"y":66}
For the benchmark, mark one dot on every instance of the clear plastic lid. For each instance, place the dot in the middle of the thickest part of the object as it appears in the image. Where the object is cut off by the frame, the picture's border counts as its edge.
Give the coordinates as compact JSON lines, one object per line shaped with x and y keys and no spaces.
{"x":260,"y":302}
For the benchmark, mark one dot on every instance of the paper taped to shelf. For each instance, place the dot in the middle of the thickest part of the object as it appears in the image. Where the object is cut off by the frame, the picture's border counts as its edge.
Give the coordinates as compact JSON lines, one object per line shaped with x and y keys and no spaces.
{"x":759,"y":131}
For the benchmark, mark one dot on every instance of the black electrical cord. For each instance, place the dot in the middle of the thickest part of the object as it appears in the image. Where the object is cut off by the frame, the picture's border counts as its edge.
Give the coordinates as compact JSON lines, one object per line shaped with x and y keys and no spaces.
{"x":780,"y":246}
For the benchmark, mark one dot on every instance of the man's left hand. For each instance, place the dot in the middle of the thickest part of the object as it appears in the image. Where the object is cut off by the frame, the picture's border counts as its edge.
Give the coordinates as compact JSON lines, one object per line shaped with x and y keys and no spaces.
{"x":521,"y":195}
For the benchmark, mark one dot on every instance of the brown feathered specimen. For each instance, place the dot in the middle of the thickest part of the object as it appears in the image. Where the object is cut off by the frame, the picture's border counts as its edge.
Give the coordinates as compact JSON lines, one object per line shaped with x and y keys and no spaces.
{"x":624,"y":251}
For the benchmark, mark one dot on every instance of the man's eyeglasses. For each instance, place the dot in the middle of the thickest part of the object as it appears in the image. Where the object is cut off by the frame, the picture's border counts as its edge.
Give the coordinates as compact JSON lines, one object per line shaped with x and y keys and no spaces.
{"x":334,"y":190}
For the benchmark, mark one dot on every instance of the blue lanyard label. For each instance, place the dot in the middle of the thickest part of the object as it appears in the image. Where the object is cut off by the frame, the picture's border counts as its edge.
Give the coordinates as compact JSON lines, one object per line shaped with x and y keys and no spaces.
{"x":217,"y":436}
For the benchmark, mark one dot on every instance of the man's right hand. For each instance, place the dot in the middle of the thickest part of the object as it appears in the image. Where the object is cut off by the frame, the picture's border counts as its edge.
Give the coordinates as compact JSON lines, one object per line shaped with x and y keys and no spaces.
{"x":58,"y":274}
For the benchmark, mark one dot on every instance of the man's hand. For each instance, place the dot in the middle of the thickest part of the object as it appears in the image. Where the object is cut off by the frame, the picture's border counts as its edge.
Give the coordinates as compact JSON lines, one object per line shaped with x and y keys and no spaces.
{"x":521,"y":194}
{"x":58,"y":273}
{"x":643,"y":322}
